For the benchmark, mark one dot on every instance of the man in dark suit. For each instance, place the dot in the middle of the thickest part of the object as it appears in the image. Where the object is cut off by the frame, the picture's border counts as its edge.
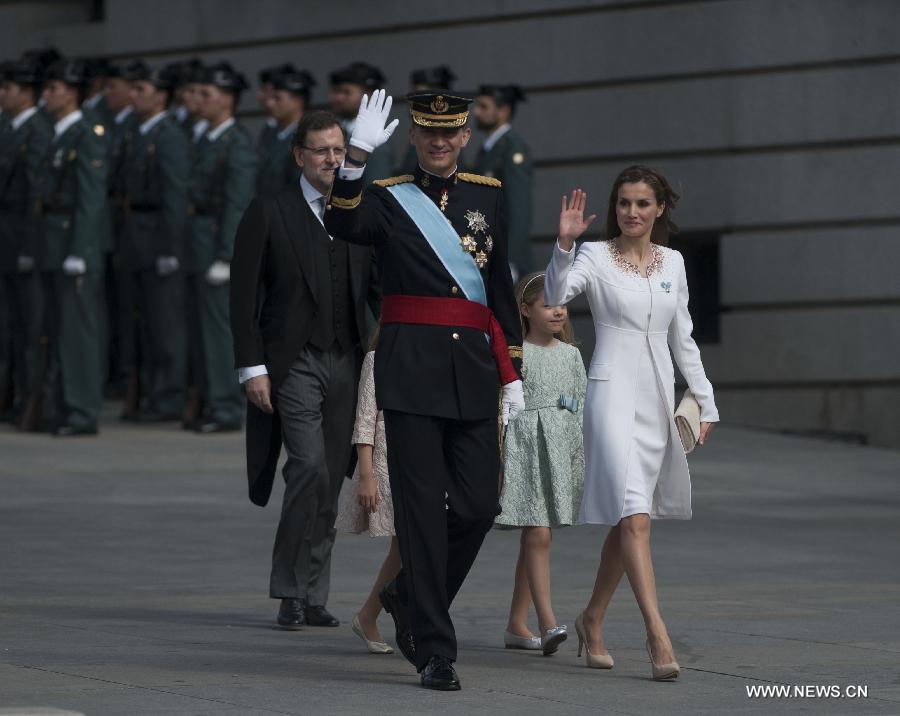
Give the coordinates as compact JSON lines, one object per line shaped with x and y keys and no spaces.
{"x":441,"y":241}
{"x":298,"y":316}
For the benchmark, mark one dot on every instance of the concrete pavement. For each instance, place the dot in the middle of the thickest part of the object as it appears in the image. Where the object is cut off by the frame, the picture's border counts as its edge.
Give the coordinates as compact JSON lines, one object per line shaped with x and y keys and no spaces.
{"x":134,"y":572}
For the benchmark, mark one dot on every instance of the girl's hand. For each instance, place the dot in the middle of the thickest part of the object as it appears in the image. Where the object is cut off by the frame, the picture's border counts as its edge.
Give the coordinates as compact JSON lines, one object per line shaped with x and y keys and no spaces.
{"x":705,"y":430}
{"x":368,"y":496}
{"x":572,"y":223}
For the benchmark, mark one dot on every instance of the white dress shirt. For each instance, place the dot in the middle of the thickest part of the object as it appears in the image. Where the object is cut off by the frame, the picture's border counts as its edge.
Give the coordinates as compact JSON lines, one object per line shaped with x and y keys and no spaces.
{"x":213,"y":134}
{"x":62,"y":125}
{"x":152,"y":122}
{"x":199,"y":129}
{"x":316,"y":201}
{"x":22,"y":117}
{"x":495,"y":136}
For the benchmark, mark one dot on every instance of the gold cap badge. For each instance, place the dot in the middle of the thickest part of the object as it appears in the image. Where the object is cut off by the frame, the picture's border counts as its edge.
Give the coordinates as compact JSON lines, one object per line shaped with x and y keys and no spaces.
{"x":439,"y":105}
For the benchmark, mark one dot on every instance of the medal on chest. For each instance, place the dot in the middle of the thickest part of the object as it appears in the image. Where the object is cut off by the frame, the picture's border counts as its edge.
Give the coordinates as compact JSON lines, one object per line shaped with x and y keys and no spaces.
{"x":478,"y":226}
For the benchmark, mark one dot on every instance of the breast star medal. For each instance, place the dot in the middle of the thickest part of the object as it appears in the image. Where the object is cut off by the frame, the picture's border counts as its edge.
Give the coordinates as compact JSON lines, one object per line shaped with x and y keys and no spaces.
{"x":468,"y":243}
{"x":481,"y":259}
{"x":489,"y":243}
{"x":477,"y":222}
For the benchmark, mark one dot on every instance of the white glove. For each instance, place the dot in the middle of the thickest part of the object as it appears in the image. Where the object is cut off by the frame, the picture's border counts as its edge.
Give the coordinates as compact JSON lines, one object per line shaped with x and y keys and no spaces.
{"x":166,"y":265}
{"x":74,"y":266}
{"x":370,"y":131}
{"x":26,"y":264}
{"x":219,"y":273}
{"x":513,"y":400}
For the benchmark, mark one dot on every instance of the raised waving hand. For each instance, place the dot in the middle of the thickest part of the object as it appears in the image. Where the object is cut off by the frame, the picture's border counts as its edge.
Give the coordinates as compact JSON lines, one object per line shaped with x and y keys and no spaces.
{"x":572,"y":223}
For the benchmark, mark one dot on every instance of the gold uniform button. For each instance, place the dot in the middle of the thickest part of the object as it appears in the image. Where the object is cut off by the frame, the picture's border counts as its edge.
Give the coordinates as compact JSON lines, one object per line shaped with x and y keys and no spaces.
{"x":456,"y":336}
{"x":454,"y":290}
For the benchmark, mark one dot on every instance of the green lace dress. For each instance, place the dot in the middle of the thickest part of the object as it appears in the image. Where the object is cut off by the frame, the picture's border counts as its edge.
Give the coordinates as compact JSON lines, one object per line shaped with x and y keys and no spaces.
{"x":544,"y":451}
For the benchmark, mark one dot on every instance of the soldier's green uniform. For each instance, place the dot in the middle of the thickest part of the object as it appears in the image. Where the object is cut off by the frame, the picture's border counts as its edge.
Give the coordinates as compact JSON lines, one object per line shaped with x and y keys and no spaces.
{"x":277,"y":168}
{"x":120,"y":287}
{"x":509,"y":160}
{"x":220,"y":187}
{"x":73,"y":216}
{"x":23,"y":143}
{"x":154,"y":176}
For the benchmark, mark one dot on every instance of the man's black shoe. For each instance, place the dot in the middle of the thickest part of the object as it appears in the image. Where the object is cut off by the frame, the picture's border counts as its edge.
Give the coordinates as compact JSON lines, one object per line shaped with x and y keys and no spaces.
{"x":439,"y":674}
{"x":319,"y":616}
{"x":213,"y":426}
{"x":67,"y":431}
{"x":390,"y":600}
{"x":292,"y":614}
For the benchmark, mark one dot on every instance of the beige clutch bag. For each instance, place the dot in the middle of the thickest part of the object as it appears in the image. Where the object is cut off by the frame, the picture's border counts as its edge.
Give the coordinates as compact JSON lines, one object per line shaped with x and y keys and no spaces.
{"x":687,"y":421}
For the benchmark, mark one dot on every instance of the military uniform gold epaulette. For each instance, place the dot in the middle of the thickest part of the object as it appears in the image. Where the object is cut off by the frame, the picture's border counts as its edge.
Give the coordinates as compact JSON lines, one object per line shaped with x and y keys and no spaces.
{"x":392,"y":181}
{"x":479,"y":179}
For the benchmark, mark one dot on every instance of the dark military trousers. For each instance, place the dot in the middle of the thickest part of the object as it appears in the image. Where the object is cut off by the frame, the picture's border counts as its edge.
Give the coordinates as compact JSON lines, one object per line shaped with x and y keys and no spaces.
{"x":444,"y":481}
{"x":73,"y":388}
{"x":20,"y":304}
{"x":220,"y":392}
{"x":163,"y":353}
{"x":316,"y":404}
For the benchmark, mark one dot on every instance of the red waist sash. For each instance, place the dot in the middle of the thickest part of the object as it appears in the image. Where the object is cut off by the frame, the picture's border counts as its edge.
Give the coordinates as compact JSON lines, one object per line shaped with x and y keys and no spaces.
{"x":456,"y":312}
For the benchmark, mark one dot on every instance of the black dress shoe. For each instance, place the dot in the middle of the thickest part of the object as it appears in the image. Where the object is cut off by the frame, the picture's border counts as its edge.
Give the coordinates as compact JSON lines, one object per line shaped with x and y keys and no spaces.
{"x":319,"y":616}
{"x":67,"y":431}
{"x":390,"y":600}
{"x":213,"y":426}
{"x":292,"y":614}
{"x":439,"y":674}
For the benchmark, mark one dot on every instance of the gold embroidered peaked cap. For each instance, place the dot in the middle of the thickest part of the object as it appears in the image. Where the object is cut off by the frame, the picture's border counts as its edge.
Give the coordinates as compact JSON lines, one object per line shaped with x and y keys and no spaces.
{"x":436,"y":108}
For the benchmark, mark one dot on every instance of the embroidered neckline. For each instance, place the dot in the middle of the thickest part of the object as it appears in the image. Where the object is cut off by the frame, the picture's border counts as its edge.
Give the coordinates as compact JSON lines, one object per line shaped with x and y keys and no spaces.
{"x":626,"y":266}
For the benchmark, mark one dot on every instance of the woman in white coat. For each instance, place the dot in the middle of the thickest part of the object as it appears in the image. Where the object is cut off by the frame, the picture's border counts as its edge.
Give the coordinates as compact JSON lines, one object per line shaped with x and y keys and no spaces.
{"x":635,"y":464}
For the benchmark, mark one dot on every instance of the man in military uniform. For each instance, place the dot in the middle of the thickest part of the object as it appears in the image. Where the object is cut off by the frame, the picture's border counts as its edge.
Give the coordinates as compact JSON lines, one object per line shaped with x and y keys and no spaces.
{"x":94,"y":106}
{"x":348,"y":85}
{"x":120,"y":289}
{"x":73,"y":214}
{"x":432,"y":78}
{"x":186,"y":99}
{"x":24,"y":139}
{"x":287,"y":102}
{"x":152,"y":202}
{"x":505,"y":155}
{"x":441,"y":242}
{"x":220,"y":187}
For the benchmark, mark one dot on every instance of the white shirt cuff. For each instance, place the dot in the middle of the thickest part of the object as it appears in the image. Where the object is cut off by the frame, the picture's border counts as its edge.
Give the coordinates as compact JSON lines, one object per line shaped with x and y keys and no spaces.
{"x":574,"y":244}
{"x":245,"y":374}
{"x":351,"y":173}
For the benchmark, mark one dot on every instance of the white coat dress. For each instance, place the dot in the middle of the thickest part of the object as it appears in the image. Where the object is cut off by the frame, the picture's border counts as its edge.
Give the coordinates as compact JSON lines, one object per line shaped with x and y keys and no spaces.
{"x":637,"y":321}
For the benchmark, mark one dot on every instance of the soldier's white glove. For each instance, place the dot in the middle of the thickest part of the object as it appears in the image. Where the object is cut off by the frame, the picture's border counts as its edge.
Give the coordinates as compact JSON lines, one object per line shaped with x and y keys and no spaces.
{"x":166,"y":265}
{"x":370,"y":131}
{"x":26,"y":264}
{"x":74,"y":266}
{"x":513,"y":400}
{"x":219,"y":273}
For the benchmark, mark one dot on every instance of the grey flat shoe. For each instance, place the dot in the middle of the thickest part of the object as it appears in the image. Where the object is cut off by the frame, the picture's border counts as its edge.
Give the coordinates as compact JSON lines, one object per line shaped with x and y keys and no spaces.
{"x":374,"y":647}
{"x":552,"y":638}
{"x":514,"y":641}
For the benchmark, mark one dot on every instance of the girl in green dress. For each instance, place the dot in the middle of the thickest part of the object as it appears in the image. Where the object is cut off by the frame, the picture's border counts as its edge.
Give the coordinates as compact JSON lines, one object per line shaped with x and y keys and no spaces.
{"x":543,"y":461}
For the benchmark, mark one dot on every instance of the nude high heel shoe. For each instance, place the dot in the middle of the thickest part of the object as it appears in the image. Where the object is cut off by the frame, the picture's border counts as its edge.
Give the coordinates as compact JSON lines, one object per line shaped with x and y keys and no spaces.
{"x":663,"y":672}
{"x":594,"y":661}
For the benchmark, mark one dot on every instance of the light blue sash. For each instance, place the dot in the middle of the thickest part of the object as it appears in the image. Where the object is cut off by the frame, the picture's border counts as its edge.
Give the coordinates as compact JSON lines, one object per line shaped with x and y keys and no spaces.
{"x":443,"y":239}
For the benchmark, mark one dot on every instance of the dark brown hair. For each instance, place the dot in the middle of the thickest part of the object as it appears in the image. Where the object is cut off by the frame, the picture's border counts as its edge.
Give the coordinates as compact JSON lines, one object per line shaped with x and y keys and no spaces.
{"x":662,"y":190}
{"x":313,"y":122}
{"x":529,"y":289}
